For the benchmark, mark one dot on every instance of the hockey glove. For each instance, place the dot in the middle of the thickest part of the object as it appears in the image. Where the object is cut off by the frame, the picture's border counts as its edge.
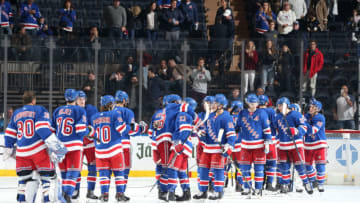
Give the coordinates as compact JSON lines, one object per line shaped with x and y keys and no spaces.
{"x":293,"y":131}
{"x":134,"y":127}
{"x":156,"y":157}
{"x":55,"y":146}
{"x":144,"y":126}
{"x":227,"y":150}
{"x":267,"y":146}
{"x":8,"y":152}
{"x":178,"y":147}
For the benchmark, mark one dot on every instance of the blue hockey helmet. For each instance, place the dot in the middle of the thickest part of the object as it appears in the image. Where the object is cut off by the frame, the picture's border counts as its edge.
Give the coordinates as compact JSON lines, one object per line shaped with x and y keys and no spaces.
{"x":174,"y":98}
{"x":107,"y":99}
{"x":252,"y":98}
{"x":263,"y":99}
{"x":295,"y":107}
{"x":165,"y":100}
{"x":316,"y":103}
{"x":238,"y":105}
{"x":210,"y":99}
{"x":283,"y":100}
{"x":192,"y":103}
{"x":81,"y":94}
{"x":70,"y":95}
{"x":221,"y":99}
{"x":120,"y":96}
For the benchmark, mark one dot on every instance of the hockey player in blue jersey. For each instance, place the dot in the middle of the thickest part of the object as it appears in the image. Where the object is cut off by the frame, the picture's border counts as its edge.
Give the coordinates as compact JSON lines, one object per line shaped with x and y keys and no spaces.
{"x":70,"y":123}
{"x":219,"y":143}
{"x":291,"y":127}
{"x":236,"y":108}
{"x":271,"y":157}
{"x":109,"y":128}
{"x":134,"y":129}
{"x":89,"y":151}
{"x":255,"y":142}
{"x":30,"y":130}
{"x":315,"y":145}
{"x":181,"y":151}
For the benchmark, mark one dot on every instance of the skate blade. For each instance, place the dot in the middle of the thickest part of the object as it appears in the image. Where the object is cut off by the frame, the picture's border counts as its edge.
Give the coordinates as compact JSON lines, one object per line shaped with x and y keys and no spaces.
{"x":91,"y":200}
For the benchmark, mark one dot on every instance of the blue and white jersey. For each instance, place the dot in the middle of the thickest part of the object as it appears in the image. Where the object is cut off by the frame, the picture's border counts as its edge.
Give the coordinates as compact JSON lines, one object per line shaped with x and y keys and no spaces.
{"x":28,"y":128}
{"x":213,"y":126}
{"x":315,"y":137}
{"x":6,"y":14}
{"x":255,"y":128}
{"x":29,"y":20}
{"x":109,"y":129}
{"x":237,"y":145}
{"x":70,"y":124}
{"x":272,"y":114}
{"x":68,"y":17}
{"x":182,"y":131}
{"x":295,"y":120}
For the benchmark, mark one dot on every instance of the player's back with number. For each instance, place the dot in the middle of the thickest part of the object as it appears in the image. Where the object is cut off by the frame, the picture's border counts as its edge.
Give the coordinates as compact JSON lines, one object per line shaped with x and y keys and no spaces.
{"x":71,"y":126}
{"x":29,"y":126}
{"x":109,"y":128}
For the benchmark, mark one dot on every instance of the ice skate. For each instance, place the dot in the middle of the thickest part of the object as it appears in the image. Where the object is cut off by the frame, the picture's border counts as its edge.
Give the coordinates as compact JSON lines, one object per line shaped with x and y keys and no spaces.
{"x":185,"y":197}
{"x":104,"y":197}
{"x":162,"y":195}
{"x":200,"y":195}
{"x":270,"y":187}
{"x":321,"y":188}
{"x":246,"y":191}
{"x":239,"y":188}
{"x":216,"y":196}
{"x":284,"y":189}
{"x":90,"y":197}
{"x":120,"y":197}
{"x":308,"y":188}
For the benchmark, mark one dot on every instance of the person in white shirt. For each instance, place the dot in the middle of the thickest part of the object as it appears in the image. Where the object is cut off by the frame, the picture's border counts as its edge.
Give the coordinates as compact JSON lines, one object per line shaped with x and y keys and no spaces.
{"x":286,"y":19}
{"x":299,"y":7}
{"x":345,"y":109}
{"x":200,"y":77}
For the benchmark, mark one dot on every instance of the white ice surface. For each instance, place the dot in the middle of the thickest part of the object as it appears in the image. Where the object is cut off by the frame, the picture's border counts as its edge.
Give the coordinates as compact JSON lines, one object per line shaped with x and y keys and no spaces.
{"x":138,"y":191}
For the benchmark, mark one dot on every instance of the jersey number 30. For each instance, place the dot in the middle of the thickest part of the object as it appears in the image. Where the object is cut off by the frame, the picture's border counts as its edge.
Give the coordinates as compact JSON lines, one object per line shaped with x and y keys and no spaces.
{"x":25,"y":128}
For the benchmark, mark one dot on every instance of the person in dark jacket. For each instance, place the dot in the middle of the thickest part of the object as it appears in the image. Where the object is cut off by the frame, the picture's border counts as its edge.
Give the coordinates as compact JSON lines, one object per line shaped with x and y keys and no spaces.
{"x":151,"y":21}
{"x":115,"y":82}
{"x":155,"y":88}
{"x":286,"y":62}
{"x":268,"y":60}
{"x":174,"y":18}
{"x":89,"y":87}
{"x":190,"y":13}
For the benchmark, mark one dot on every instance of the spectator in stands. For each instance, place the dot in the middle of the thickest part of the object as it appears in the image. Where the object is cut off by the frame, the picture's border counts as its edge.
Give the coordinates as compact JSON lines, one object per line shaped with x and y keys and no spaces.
{"x":200,"y":78}
{"x":345,"y":109}
{"x":9,"y":113}
{"x":235,"y":95}
{"x":88,"y":44}
{"x":260,"y":91}
{"x":179,"y":71}
{"x":89,"y":87}
{"x":353,"y":25}
{"x":133,"y":22}
{"x":6,"y":15}
{"x":115,"y":82}
{"x":312,"y":23}
{"x":263,"y":17}
{"x":151,"y":21}
{"x":333,"y":11}
{"x":251,"y":61}
{"x":174,"y":18}
{"x":44,"y":30}
{"x":67,"y":18}
{"x":287,"y":68}
{"x":300,"y":9}
{"x":167,"y":3}
{"x":268,"y":60}
{"x":29,"y":15}
{"x":164,"y":72}
{"x":286,"y":19}
{"x":272,"y":34}
{"x":313,"y":63}
{"x":225,"y":13}
{"x":190,"y":13}
{"x":21,"y":44}
{"x":321,"y":11}
{"x":133,"y":92}
{"x":115,"y":20}
{"x":156,"y":88}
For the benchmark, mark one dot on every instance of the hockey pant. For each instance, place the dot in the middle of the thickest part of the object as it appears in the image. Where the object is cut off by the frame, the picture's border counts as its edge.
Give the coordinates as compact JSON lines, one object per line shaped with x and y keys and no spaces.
{"x":249,"y":156}
{"x":89,"y":153}
{"x":288,"y":156}
{"x":177,"y":170}
{"x":24,"y":168}
{"x":319,"y":156}
{"x":214,"y":162}
{"x":107,"y":166}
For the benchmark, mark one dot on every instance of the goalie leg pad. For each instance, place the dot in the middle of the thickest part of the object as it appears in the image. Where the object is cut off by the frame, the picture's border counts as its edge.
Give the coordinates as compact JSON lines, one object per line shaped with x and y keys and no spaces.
{"x":23,"y":177}
{"x":45,"y":177}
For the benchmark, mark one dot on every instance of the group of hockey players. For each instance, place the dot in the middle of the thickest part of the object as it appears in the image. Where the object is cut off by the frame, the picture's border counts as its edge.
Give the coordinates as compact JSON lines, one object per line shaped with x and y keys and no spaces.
{"x":250,"y":137}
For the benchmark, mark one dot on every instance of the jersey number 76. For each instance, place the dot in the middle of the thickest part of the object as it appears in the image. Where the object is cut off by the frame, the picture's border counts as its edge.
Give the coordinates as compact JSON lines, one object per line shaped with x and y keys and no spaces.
{"x":65,"y":126}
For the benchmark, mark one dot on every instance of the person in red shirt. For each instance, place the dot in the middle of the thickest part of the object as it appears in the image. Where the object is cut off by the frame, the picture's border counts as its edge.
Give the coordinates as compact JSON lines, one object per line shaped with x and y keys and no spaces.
{"x":313,"y":63}
{"x":251,"y":60}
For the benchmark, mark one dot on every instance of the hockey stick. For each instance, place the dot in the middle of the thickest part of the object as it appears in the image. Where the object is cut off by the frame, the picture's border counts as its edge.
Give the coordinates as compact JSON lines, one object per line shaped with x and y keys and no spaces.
{"x":207,"y":113}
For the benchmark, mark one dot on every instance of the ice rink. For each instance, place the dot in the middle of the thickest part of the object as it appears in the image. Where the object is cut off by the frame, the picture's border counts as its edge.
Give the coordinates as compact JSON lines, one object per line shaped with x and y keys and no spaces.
{"x":138,"y":191}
